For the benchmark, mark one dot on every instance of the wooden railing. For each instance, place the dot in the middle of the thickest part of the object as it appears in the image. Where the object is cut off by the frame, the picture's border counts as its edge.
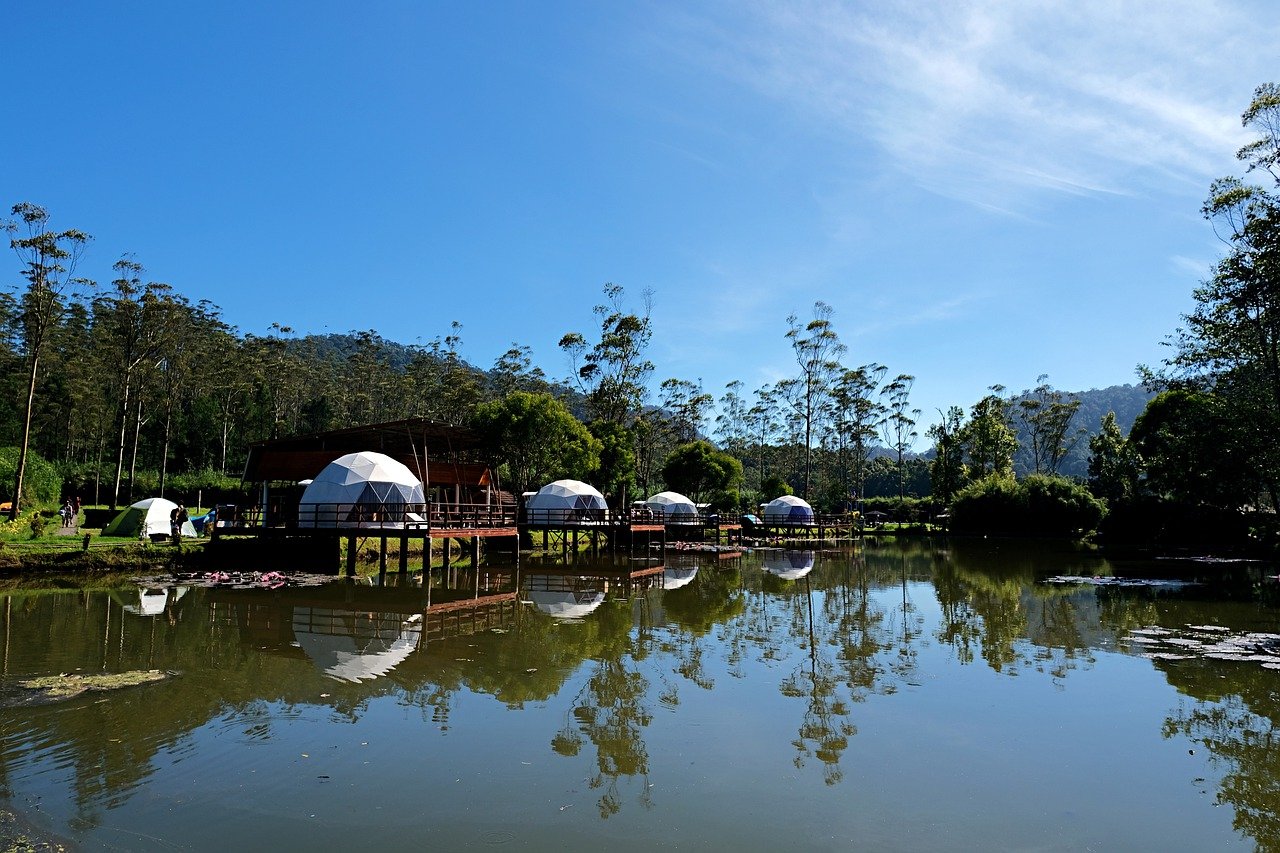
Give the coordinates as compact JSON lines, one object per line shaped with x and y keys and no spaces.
{"x":414,"y":516}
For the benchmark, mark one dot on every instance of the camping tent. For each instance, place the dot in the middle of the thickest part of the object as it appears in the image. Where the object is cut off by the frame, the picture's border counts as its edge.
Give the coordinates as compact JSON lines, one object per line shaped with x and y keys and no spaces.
{"x":788,"y":509}
{"x":566,"y":502}
{"x":788,"y":565}
{"x":149,"y":517}
{"x":672,"y":507}
{"x":361,"y":489}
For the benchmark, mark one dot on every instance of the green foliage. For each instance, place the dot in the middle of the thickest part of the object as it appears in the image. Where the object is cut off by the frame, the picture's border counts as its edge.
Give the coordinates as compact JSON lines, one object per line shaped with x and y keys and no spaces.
{"x":887,"y":478}
{"x":37,"y":524}
{"x":1039,"y":505}
{"x":902,"y":509}
{"x":726,"y":500}
{"x":774,"y":487}
{"x":612,"y":372}
{"x":1194,"y":449}
{"x":616,"y":474}
{"x":1230,"y":343}
{"x":947,"y":472}
{"x":698,"y":470}
{"x":1046,"y":416}
{"x":1113,"y":463}
{"x":989,"y":437}
{"x":537,"y":438}
{"x":42,"y":485}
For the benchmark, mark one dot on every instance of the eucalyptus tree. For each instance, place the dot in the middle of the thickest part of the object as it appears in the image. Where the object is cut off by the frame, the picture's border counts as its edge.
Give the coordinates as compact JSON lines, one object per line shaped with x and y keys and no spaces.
{"x":460,"y":390}
{"x":898,"y":424}
{"x":180,"y":366}
{"x":732,"y":421}
{"x":49,"y":260}
{"x":856,"y":416}
{"x":989,"y":438}
{"x":946,"y":472}
{"x":140,"y":322}
{"x":685,"y":407}
{"x":817,"y":351}
{"x":613,"y":372}
{"x":764,"y":422}
{"x":1230,"y":342}
{"x":1046,"y":415}
{"x":514,"y":371}
{"x":281,"y":380}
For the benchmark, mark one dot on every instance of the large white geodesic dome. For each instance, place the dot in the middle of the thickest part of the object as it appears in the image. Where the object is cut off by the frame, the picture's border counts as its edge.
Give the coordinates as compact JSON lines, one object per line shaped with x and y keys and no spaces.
{"x":673,"y":507}
{"x":360,"y":489}
{"x":566,"y":502}
{"x":788,"y":509}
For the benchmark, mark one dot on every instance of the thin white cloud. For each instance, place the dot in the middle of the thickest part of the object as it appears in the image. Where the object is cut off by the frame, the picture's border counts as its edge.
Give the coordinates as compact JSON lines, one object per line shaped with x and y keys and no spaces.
{"x":997,"y":102}
{"x":1198,"y":268}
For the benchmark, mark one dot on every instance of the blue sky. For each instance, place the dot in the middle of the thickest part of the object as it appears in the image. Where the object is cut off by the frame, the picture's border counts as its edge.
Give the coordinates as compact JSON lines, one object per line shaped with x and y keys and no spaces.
{"x":983,"y":191}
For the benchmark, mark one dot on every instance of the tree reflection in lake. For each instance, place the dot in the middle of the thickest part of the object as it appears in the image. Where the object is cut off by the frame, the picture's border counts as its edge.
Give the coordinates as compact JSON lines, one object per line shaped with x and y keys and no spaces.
{"x":782,"y":677}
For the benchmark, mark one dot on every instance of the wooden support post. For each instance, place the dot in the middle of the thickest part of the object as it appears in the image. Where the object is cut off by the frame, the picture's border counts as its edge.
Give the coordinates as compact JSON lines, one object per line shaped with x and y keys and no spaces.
{"x":351,"y":556}
{"x":404,"y":555}
{"x":445,"y":544}
{"x":475,"y":554}
{"x":382,"y":555}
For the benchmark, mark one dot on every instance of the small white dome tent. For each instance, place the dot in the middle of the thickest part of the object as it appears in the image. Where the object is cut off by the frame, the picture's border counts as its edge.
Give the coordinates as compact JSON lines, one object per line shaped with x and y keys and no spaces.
{"x":566,"y":502}
{"x":360,"y":489}
{"x":148,"y":517}
{"x":788,"y":509}
{"x":789,"y":565}
{"x":672,"y":507}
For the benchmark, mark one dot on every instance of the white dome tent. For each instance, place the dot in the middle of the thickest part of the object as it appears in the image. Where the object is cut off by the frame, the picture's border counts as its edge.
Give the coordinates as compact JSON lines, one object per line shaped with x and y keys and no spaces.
{"x":566,"y":502}
{"x":672,"y":507}
{"x":361,"y":489}
{"x":788,"y":510}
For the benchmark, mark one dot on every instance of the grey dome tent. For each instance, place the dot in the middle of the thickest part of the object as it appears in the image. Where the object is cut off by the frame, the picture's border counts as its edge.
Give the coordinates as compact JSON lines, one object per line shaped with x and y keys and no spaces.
{"x":566,"y":502}
{"x":788,"y":510}
{"x":361,"y":489}
{"x":672,"y":507}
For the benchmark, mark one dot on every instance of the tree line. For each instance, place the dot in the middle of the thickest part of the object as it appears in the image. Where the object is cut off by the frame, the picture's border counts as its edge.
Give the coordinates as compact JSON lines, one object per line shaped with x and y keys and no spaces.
{"x":124,"y":386}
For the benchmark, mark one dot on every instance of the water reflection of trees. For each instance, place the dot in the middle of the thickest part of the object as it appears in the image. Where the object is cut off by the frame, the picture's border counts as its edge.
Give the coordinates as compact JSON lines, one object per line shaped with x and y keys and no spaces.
{"x":992,"y":606}
{"x":610,"y":710}
{"x":1235,"y":718}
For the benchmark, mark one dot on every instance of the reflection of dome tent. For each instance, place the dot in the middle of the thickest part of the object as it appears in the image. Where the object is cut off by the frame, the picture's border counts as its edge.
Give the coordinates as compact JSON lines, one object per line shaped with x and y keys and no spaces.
{"x":352,"y":646}
{"x":674,"y":578}
{"x":566,"y":502}
{"x":788,"y":565}
{"x":673,"y":507}
{"x":788,"y":509}
{"x":353,"y":488}
{"x":564,"y":597}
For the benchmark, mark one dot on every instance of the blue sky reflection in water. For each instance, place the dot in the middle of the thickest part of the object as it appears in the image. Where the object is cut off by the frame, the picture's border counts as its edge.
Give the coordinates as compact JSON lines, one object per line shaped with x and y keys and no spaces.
{"x":739,"y":710}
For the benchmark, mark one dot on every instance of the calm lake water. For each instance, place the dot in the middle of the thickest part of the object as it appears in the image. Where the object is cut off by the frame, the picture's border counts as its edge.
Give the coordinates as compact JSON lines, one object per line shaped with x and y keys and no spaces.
{"x":891,"y":697}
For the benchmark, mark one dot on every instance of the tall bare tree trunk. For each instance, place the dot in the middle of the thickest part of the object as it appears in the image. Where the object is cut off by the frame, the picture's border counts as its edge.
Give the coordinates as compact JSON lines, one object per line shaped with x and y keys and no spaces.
{"x":124,"y":425}
{"x":26,"y":438}
{"x":133,"y":458}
